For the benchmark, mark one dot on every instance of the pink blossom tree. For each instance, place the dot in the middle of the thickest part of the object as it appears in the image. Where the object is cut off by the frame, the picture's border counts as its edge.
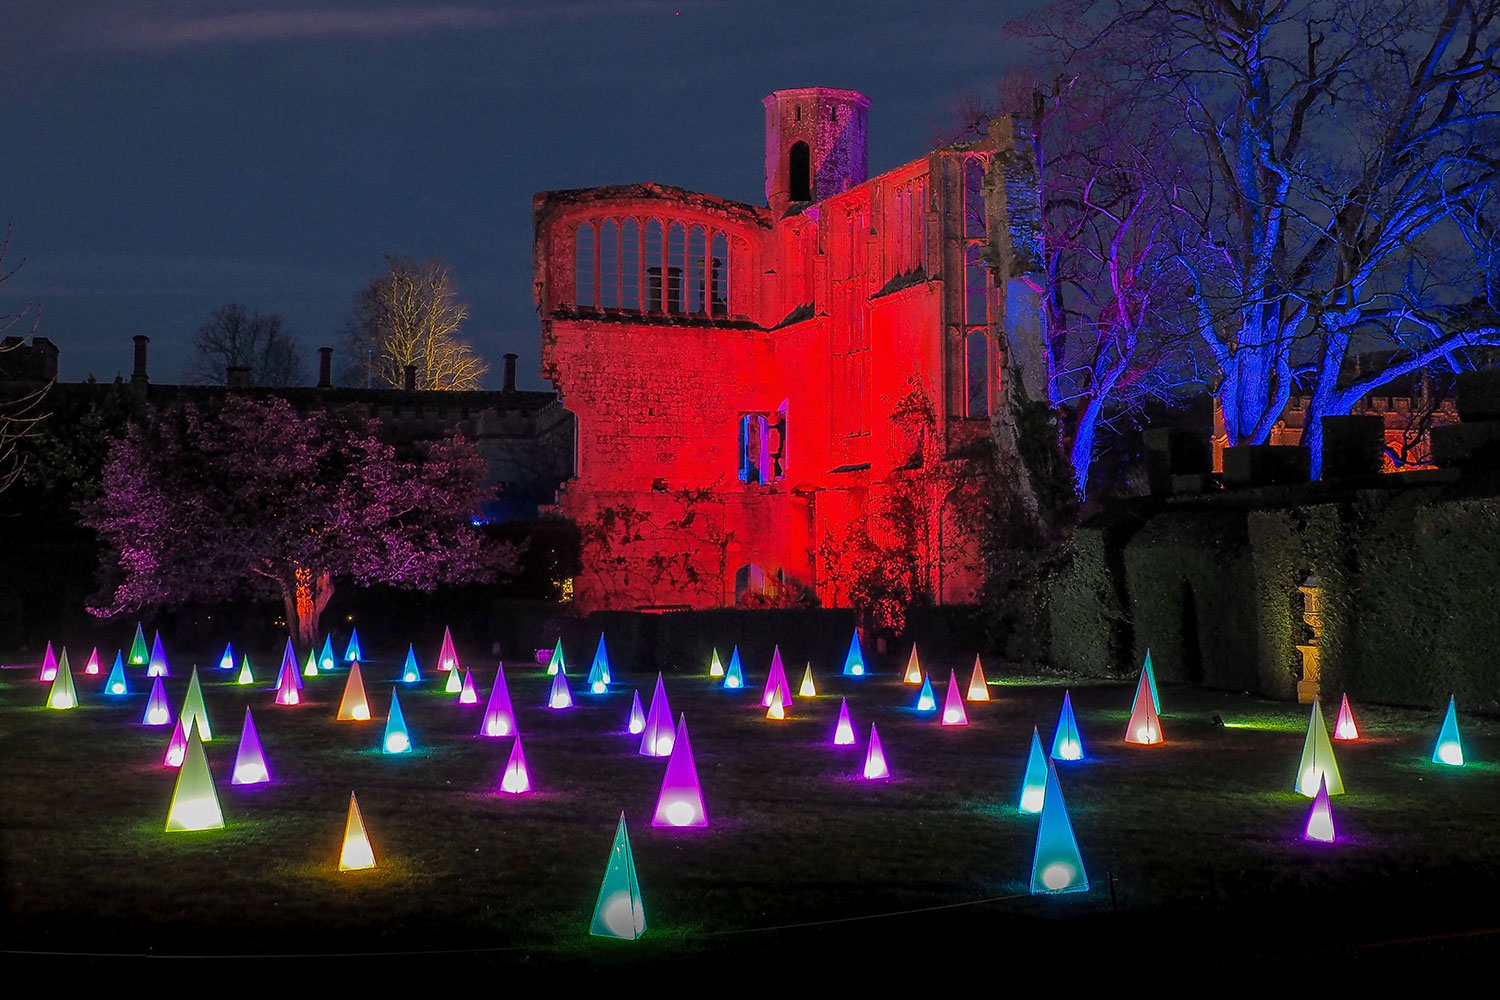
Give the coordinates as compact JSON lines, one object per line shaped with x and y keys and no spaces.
{"x":258,"y":500}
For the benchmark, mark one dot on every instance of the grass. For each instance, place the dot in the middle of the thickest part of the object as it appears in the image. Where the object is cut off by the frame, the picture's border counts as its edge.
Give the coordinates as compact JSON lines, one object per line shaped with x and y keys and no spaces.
{"x":1196,"y":842}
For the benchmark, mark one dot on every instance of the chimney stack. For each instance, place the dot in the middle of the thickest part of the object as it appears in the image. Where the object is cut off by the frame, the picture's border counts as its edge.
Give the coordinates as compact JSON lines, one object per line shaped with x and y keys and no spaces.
{"x":237,"y":376}
{"x":410,"y":379}
{"x":138,"y":377}
{"x":510,"y":373}
{"x":325,"y":368}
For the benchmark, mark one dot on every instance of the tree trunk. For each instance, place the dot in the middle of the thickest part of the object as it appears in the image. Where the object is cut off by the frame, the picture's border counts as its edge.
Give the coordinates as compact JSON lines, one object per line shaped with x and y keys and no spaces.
{"x":305,"y":598}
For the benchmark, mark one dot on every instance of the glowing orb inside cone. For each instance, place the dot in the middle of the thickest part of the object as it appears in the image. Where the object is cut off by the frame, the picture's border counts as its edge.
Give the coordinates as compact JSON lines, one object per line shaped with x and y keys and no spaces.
{"x":397,"y":743}
{"x":857,"y":670}
{"x":952,"y":717}
{"x":1031,"y":799}
{"x":731,"y":682}
{"x":515,"y":782}
{"x":496,"y":727}
{"x":620,"y":916}
{"x":156,"y":717}
{"x":1070,"y":750}
{"x":681,"y":813}
{"x":175,"y":755}
{"x":251,"y":773}
{"x":362,"y":713}
{"x":1058,"y":875}
{"x":117,"y":688}
{"x":1451,"y":753}
{"x":664,"y":745}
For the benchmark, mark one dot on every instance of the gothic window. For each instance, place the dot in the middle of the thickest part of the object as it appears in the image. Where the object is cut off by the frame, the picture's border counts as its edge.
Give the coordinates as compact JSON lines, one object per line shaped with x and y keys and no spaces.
{"x":750,"y":579}
{"x":697,"y":249}
{"x":609,"y":264}
{"x":653,"y":243}
{"x":762,"y":446}
{"x":630,"y":265}
{"x":976,"y":293}
{"x":977,"y":374}
{"x":974,"y":217}
{"x":676,"y":260}
{"x":799,"y":168}
{"x":583,"y":268}
{"x":719,"y":293}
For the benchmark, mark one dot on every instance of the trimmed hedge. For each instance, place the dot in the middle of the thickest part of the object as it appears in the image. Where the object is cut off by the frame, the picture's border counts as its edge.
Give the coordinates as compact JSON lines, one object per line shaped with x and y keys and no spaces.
{"x":1407,"y":579}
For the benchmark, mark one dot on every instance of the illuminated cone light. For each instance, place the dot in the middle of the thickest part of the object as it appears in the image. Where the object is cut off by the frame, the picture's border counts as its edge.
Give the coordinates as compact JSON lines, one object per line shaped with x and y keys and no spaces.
{"x":1056,"y":865}
{"x":734,"y":677}
{"x":226,"y":661}
{"x":913,"y":673}
{"x":455,"y":684}
{"x":1449,"y":750}
{"x":681,"y":800}
{"x":357,"y":854}
{"x":195,"y":803}
{"x":1066,"y":743}
{"x":49,"y":665}
{"x":561,"y":696}
{"x":352,"y":652}
{"x":979,"y":688}
{"x":843,"y":731}
{"x":1034,"y":784}
{"x":245,"y":675}
{"x":808,"y":689}
{"x":139,"y":657}
{"x":776,"y":681}
{"x":289,"y":667}
{"x":516,"y":779}
{"x":499,"y":719}
{"x":776,"y":710}
{"x":657,"y":737}
{"x":618,"y":913}
{"x":194,"y":712}
{"x":1320,"y":819}
{"x":599,"y":670}
{"x":926,"y":700}
{"x":286,"y":684}
{"x":176,"y":746}
{"x":875,"y":768}
{"x":1344,"y":728}
{"x":91,"y":668}
{"x":1148,"y":672}
{"x":310,"y":668}
{"x":158,"y":713}
{"x":62,"y":694}
{"x":447,"y":655}
{"x":1317,"y":761}
{"x":410,"y":674}
{"x":396,"y":739}
{"x":557,"y":665}
{"x":1144,"y":727}
{"x":325,"y":655}
{"x":353,"y":706}
{"x":158,"y":665}
{"x":250,"y":760}
{"x":115,"y":683}
{"x":715,"y":668}
{"x":854,"y":660}
{"x":468,"y":695}
{"x":637,"y":723}
{"x":953,"y":703}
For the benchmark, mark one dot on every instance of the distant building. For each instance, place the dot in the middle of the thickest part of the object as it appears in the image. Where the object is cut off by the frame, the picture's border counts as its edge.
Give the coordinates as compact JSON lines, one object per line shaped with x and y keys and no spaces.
{"x":748,"y":379}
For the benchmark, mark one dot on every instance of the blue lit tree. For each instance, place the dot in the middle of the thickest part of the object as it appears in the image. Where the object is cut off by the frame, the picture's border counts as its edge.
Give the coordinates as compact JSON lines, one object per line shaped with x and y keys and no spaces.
{"x":1349,"y":164}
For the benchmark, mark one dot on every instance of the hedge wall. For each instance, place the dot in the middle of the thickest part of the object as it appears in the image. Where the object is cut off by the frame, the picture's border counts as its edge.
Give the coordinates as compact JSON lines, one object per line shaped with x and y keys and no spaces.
{"x":1189,"y":575}
{"x":1091,"y":632}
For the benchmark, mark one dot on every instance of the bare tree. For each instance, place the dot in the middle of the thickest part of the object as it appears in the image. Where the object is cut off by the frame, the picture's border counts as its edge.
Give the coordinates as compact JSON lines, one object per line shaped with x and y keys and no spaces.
{"x":233,"y":336}
{"x":21,"y":414}
{"x":411,"y":316}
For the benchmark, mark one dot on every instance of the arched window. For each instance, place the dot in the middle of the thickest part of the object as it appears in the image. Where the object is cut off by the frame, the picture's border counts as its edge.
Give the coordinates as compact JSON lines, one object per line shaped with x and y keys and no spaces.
{"x":749,"y":579}
{"x":653,"y":265}
{"x":630,"y":265}
{"x":755,"y":449}
{"x":697,"y":250}
{"x":583,"y":268}
{"x":975,"y":224}
{"x":676,"y":261}
{"x":977,"y":371}
{"x":799,"y":171}
{"x":609,"y":264}
{"x":719,"y":295}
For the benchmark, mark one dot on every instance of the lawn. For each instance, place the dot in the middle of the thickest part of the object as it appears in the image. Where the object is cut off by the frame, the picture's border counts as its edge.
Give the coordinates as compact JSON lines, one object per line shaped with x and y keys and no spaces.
{"x":1192,"y":848}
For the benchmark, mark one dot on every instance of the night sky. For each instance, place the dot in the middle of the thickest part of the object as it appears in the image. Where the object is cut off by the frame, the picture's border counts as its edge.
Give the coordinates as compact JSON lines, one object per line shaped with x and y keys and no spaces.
{"x":159,"y":159}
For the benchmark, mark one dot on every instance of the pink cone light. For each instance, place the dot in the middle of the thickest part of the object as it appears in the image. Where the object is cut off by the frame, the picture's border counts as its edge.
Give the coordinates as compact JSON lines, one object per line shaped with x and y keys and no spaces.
{"x":176,"y":746}
{"x":92,"y":667}
{"x":843,"y":732}
{"x":776,"y":681}
{"x":680,"y":803}
{"x":953,"y":703}
{"x":657,"y":737}
{"x":875,"y":766}
{"x":468,"y":695}
{"x":516,"y":779}
{"x":1344,"y":728}
{"x":250,"y":760}
{"x":499,"y":719}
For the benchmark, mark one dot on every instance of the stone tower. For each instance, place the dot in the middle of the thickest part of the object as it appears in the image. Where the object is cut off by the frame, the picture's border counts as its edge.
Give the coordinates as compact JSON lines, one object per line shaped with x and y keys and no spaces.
{"x":816,"y":144}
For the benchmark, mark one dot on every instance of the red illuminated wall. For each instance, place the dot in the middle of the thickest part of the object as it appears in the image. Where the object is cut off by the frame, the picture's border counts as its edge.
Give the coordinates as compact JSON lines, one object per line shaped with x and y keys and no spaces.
{"x":669,"y":317}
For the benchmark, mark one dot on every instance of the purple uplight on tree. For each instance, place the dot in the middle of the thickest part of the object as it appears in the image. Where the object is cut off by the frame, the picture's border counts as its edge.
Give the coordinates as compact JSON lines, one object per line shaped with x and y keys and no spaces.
{"x":310,"y":498}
